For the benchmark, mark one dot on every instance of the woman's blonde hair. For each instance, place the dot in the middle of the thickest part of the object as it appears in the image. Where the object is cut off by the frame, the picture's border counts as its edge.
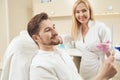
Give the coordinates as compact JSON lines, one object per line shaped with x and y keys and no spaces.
{"x":75,"y":30}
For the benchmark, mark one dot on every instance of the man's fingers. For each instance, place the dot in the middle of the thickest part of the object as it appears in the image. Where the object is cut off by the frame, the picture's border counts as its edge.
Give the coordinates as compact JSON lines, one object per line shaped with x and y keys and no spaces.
{"x":113,"y":54}
{"x":111,"y":58}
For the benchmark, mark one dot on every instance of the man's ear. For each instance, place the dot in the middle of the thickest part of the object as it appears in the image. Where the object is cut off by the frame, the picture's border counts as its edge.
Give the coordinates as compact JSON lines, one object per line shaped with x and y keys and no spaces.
{"x":36,"y":38}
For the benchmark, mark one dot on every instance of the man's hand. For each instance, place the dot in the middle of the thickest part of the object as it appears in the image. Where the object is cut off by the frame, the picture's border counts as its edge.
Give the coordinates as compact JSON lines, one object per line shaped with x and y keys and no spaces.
{"x":108,"y":70}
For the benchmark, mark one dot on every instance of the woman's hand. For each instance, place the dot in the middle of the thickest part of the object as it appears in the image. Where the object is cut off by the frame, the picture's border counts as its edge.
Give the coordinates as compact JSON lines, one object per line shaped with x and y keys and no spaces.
{"x":104,"y":47}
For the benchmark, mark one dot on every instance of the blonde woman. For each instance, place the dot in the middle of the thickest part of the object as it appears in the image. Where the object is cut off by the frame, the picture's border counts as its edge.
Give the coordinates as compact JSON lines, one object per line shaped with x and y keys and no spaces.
{"x":88,"y":34}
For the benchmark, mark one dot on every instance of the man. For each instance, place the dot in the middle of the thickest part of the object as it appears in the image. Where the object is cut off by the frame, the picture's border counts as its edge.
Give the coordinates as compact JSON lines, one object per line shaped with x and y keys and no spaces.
{"x":51,"y":63}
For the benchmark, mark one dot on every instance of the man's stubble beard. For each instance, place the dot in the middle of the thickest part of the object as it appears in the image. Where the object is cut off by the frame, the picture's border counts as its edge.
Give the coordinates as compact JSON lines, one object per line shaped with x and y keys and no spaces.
{"x":51,"y":43}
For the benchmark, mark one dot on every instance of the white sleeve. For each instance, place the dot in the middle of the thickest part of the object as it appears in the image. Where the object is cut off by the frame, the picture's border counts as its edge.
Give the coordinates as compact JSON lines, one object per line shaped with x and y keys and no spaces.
{"x":42,"y":73}
{"x":104,"y":33}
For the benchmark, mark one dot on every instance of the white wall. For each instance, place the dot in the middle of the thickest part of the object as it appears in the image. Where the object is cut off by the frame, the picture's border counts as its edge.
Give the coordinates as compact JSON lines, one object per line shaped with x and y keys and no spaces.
{"x":3,"y":26}
{"x":54,"y":8}
{"x":63,"y":24}
{"x":20,"y":11}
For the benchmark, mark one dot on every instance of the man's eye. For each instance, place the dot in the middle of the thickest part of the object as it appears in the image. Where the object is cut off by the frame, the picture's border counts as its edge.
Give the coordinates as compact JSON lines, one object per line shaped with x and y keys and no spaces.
{"x":46,"y":30}
{"x":53,"y":27}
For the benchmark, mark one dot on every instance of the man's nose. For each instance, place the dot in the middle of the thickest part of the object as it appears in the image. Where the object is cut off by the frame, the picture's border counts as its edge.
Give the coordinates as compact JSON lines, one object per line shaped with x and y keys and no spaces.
{"x":54,"y":31}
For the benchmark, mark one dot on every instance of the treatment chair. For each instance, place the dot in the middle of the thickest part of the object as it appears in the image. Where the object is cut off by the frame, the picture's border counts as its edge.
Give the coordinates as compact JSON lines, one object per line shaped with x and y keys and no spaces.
{"x":17,"y":58}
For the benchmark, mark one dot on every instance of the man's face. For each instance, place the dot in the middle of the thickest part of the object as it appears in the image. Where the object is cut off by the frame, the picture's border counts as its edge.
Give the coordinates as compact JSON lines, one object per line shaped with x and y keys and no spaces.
{"x":48,"y":34}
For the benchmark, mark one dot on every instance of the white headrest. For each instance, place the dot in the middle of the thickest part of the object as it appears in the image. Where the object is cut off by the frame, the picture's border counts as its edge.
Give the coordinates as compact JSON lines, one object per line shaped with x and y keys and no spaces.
{"x":23,"y":43}
{"x":18,"y":57}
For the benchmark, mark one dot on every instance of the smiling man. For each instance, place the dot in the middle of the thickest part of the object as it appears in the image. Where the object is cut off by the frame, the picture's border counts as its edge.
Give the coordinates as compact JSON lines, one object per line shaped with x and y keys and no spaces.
{"x":51,"y":63}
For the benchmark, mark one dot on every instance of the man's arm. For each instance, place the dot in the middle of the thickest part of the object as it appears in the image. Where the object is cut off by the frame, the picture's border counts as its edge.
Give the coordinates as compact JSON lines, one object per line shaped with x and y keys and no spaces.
{"x":108,"y":70}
